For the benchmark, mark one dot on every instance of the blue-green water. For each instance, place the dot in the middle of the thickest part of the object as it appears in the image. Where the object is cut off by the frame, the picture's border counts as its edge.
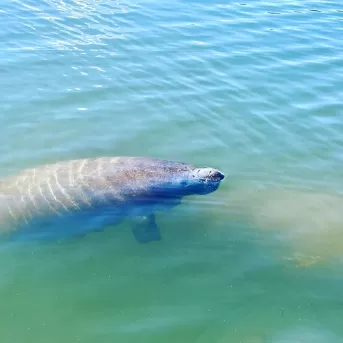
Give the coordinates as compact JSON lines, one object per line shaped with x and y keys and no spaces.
{"x":254,"y":89}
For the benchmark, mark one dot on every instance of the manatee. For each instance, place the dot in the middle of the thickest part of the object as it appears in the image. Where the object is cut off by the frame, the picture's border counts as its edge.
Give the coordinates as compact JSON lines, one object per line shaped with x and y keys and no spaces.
{"x":306,"y":224}
{"x":72,"y":198}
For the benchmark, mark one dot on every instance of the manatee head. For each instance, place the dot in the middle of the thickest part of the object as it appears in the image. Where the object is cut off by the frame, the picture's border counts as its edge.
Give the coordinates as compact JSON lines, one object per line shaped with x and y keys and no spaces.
{"x":154,"y":180}
{"x":203,"y":180}
{"x":175,"y":179}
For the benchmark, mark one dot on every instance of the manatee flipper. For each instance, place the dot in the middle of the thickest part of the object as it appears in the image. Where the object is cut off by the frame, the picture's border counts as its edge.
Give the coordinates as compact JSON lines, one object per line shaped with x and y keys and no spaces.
{"x":145,"y":229}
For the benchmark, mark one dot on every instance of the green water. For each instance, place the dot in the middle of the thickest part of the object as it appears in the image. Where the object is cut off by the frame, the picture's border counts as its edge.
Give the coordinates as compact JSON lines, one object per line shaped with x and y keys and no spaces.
{"x":254,"y":89}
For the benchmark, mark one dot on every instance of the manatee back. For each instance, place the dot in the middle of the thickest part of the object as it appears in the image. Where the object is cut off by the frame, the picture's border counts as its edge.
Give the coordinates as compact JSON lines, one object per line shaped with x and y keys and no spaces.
{"x":78,"y":185}
{"x":55,"y":189}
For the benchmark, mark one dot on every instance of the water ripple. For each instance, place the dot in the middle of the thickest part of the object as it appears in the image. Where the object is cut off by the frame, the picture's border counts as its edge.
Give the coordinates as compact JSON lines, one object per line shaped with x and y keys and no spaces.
{"x":252,"y":88}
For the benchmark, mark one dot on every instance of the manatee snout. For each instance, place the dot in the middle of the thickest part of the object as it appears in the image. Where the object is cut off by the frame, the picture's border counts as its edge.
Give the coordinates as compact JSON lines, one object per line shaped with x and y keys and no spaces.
{"x":208,"y":174}
{"x":205,"y":180}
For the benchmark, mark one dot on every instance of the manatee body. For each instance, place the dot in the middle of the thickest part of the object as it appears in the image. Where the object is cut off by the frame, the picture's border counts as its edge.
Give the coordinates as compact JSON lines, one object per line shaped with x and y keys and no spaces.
{"x":74,"y":197}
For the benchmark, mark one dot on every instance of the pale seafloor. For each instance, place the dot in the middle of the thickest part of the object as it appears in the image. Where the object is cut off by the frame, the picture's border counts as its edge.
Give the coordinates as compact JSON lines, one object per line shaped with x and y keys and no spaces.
{"x":254,"y":89}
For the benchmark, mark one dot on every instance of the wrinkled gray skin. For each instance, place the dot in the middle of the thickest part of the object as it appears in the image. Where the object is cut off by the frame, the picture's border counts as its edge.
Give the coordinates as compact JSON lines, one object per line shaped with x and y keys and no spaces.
{"x":72,"y":198}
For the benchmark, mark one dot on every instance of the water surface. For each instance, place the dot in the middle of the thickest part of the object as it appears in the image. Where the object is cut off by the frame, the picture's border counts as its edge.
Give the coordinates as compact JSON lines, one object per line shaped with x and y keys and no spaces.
{"x":254,"y":89}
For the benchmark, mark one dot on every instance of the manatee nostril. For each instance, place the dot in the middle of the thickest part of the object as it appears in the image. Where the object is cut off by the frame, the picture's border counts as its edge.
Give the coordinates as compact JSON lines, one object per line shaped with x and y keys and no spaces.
{"x":209,"y":175}
{"x":217,"y":175}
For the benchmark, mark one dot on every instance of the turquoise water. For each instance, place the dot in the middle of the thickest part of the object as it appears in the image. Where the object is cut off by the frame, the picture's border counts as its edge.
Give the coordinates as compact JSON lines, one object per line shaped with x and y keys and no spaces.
{"x":254,"y":89}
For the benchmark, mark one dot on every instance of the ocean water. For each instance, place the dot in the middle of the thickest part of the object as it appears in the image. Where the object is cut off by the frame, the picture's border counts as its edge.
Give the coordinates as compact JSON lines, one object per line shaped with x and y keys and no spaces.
{"x":253,"y":88}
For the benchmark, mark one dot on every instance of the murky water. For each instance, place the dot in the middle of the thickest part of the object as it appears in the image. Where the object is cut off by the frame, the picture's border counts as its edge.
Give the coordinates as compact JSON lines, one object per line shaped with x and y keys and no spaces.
{"x":254,"y":89}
